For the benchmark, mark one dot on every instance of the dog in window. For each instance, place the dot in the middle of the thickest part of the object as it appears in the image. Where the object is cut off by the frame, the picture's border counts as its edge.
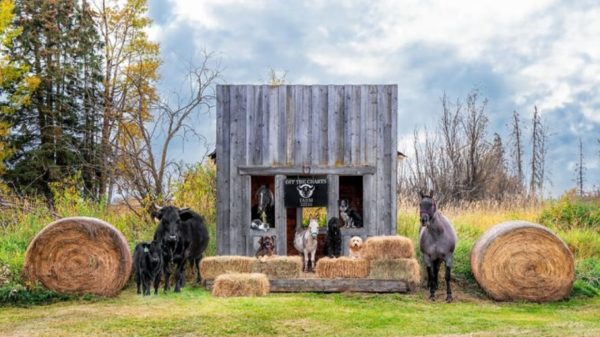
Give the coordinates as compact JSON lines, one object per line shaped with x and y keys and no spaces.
{"x":267,"y":247}
{"x":350,"y":216}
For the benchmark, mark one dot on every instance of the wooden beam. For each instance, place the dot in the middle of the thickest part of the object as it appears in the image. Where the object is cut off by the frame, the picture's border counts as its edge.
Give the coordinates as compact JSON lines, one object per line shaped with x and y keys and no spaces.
{"x":312,"y":170}
{"x":316,"y":285}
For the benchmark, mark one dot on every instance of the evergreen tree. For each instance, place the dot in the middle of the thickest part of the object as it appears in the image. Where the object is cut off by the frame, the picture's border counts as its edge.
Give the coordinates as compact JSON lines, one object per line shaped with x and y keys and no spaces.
{"x":51,"y":135}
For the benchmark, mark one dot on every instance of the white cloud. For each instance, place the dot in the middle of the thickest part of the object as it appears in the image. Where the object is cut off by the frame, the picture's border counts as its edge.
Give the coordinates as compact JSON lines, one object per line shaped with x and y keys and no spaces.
{"x":546,"y":52}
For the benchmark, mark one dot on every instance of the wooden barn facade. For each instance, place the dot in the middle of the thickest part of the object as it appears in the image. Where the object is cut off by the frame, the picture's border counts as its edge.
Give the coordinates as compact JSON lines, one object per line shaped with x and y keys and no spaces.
{"x":344,"y":136}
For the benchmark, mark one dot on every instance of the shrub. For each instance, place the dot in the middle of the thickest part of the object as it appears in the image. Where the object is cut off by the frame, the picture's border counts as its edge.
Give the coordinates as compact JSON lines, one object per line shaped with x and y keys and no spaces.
{"x":570,"y":212}
{"x":16,"y":294}
{"x":588,"y":277}
{"x":198,"y":190}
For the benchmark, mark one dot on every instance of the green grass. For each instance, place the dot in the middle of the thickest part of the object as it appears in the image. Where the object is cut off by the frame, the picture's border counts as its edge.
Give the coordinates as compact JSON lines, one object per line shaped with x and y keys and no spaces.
{"x":196,"y":312}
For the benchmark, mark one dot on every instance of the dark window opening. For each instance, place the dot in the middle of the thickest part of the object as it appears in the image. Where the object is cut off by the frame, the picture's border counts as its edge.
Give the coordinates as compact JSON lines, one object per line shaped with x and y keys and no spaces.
{"x":263,"y":202}
{"x":350,"y":202}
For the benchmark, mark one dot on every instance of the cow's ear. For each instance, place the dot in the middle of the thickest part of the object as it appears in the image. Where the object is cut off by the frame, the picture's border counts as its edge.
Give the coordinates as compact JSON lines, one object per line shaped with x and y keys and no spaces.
{"x":185,"y":214}
{"x":156,"y":216}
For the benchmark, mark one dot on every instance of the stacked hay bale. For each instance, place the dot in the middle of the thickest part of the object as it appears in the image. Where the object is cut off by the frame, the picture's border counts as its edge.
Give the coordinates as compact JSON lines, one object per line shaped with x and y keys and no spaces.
{"x":392,"y":258}
{"x":241,"y":284}
{"x":342,"y":267}
{"x":278,"y":267}
{"x":213,"y":266}
{"x":275,"y":267}
{"x":79,"y":255}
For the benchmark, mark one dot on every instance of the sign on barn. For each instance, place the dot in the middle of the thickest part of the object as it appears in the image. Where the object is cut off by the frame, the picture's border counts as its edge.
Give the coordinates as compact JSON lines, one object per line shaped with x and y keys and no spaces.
{"x":283,"y":148}
{"x":305,"y":192}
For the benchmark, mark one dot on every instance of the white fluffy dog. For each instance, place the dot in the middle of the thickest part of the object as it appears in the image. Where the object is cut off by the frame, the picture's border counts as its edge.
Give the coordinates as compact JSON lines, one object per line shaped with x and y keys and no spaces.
{"x":355,"y":246}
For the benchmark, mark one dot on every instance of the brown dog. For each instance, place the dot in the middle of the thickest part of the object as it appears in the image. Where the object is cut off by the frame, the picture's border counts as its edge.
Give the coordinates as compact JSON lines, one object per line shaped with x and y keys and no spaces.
{"x":267,"y":246}
{"x":355,"y":246}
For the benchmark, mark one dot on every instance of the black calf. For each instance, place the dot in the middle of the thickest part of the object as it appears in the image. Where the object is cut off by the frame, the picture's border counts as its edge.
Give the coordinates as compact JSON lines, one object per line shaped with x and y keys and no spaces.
{"x":147,"y":265}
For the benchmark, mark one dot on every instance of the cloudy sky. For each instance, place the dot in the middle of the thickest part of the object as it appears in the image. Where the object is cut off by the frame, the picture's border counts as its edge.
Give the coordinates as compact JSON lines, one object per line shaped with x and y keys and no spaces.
{"x":517,"y":53}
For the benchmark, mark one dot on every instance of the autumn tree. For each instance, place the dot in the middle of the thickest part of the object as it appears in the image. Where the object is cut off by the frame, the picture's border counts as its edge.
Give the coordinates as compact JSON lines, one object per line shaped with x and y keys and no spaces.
{"x":130,"y":68}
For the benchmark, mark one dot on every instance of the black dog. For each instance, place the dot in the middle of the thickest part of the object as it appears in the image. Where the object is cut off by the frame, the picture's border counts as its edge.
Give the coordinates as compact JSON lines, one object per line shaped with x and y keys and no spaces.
{"x":351,"y":217}
{"x":148,"y":264}
{"x":334,"y":238}
{"x":267,"y":246}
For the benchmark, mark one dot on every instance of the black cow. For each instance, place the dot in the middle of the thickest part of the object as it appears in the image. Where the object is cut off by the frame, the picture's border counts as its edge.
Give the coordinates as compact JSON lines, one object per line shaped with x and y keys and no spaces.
{"x":147,"y":266}
{"x":184,"y":237}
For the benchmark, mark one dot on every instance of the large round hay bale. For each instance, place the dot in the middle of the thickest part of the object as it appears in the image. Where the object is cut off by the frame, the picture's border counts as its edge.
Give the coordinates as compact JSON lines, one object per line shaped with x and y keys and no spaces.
{"x":241,"y":284}
{"x":278,"y":267}
{"x":519,"y":260}
{"x":342,"y":267}
{"x":79,"y":255}
{"x":388,"y":247}
{"x":213,"y":266}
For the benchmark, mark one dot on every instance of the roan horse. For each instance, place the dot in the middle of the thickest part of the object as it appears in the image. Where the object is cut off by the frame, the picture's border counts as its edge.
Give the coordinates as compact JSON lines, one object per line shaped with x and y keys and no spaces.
{"x":305,"y":242}
{"x":437,"y":240}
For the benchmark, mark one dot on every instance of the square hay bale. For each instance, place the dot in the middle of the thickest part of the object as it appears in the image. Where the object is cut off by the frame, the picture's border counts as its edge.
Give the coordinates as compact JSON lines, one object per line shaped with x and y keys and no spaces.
{"x":213,"y":266}
{"x":241,"y":284}
{"x":278,"y":267}
{"x":407,"y":270}
{"x":388,"y":247}
{"x":342,"y":267}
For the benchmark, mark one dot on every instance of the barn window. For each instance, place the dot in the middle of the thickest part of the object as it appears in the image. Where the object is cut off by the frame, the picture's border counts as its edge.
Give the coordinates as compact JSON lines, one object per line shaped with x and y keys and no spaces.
{"x":263,"y":202}
{"x":351,"y":193}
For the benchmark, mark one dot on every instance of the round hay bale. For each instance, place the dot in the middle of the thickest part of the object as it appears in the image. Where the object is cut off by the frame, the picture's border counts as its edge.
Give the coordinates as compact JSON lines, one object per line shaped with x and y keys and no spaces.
{"x":278,"y":267}
{"x":388,"y":247}
{"x":79,"y":255}
{"x":407,"y":270}
{"x":241,"y":284}
{"x":213,"y":266}
{"x":519,"y":260}
{"x":342,"y":267}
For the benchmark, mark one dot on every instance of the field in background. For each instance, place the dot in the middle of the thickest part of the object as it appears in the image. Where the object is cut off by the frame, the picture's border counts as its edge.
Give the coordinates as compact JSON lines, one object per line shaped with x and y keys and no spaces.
{"x":575,"y":221}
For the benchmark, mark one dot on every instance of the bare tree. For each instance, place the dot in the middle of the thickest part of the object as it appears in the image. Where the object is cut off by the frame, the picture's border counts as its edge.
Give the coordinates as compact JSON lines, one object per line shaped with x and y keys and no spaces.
{"x":143,"y":159}
{"x":474,"y":125}
{"x":451,"y":159}
{"x":580,"y":169}
{"x":517,"y":147}
{"x":539,"y":137}
{"x":457,"y":160}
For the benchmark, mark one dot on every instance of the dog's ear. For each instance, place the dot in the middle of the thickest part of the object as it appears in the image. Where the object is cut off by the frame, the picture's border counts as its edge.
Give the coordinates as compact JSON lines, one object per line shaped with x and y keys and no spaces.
{"x":273,"y":238}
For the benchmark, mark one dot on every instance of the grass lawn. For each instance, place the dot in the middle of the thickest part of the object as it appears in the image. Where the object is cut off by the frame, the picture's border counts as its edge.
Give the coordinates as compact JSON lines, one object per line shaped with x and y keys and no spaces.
{"x":196,"y":312}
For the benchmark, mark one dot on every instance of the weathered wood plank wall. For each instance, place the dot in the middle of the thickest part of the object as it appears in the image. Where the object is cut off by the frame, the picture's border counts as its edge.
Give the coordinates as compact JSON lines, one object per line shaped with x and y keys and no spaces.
{"x":329,"y":127}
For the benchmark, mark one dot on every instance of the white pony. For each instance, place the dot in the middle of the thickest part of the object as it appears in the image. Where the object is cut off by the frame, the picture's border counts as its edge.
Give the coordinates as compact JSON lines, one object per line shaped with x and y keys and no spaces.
{"x":305,"y":242}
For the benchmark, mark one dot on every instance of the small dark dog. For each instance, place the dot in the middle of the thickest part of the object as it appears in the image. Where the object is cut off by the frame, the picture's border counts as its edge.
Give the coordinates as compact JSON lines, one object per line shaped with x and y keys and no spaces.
{"x":147,"y":266}
{"x":334,"y":238}
{"x":267,"y":246}
{"x":351,"y":217}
